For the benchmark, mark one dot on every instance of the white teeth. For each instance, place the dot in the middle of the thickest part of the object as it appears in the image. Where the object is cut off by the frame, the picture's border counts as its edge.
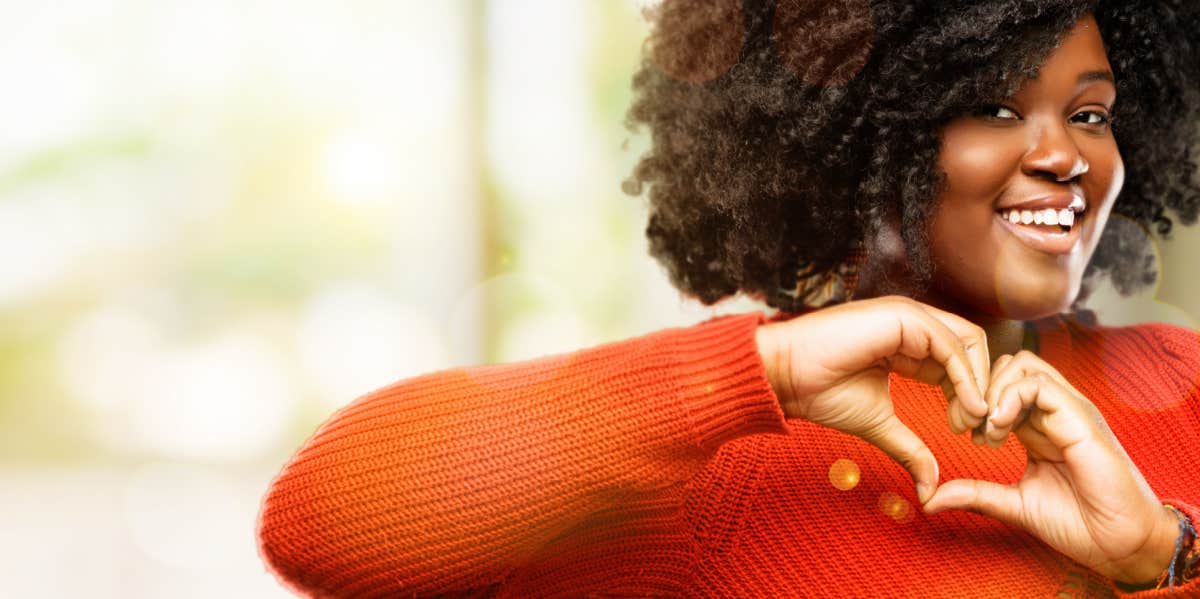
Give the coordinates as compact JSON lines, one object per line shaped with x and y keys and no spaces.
{"x":1048,"y":216}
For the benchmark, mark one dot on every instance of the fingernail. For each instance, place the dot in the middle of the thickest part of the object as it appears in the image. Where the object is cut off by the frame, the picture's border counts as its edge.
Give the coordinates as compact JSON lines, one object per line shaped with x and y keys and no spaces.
{"x":924,"y":492}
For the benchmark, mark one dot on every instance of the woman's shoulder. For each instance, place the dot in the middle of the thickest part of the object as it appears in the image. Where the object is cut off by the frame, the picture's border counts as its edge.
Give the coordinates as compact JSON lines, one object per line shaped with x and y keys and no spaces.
{"x":1086,"y":326}
{"x":1167,"y":350}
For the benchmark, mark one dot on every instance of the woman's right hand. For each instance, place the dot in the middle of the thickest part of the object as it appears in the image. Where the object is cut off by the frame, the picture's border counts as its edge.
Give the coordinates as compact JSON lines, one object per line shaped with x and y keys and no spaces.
{"x":831,"y":367}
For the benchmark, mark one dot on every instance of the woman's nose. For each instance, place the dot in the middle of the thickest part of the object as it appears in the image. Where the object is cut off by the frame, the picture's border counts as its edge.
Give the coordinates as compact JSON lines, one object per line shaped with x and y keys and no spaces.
{"x":1055,"y":155}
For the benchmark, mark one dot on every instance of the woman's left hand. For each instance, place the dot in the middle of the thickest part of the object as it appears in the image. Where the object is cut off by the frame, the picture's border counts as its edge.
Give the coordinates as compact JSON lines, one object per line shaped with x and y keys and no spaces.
{"x":1080,"y":494}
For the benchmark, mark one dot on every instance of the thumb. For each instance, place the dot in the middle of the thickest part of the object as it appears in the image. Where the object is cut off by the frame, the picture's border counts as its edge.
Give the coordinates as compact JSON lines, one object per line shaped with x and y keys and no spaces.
{"x":904,"y":446}
{"x":1002,"y":502}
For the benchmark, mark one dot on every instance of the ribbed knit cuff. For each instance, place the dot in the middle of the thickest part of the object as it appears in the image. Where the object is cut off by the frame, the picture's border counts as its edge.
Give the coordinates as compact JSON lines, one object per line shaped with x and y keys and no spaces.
{"x":724,"y":384}
{"x":1191,"y":589}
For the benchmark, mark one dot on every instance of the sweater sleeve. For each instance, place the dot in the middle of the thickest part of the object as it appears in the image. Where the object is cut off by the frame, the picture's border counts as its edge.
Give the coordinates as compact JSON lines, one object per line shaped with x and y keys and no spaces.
{"x":1177,"y":366}
{"x":447,"y":482}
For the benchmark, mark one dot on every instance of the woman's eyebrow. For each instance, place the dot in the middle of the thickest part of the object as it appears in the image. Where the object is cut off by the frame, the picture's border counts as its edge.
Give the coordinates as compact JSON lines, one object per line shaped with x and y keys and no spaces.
{"x":1090,"y":76}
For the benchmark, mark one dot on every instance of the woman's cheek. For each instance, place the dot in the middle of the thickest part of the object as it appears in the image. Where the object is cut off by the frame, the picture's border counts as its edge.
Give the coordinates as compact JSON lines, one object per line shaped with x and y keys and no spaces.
{"x":977,"y":159}
{"x":1109,"y":170}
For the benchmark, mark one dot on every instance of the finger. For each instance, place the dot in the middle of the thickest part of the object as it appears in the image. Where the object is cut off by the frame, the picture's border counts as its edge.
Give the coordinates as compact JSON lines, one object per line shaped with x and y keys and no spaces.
{"x":1025,"y":394}
{"x":1020,"y":397}
{"x":922,"y":336}
{"x":1002,"y":502}
{"x":931,"y":372}
{"x":926,"y":371}
{"x":1011,"y":403}
{"x":978,"y":437}
{"x":965,"y":414}
{"x":1026,"y":363}
{"x":1015,"y":400}
{"x":1005,"y":409}
{"x":1037,"y":446}
{"x":981,"y":433}
{"x":1055,"y":411}
{"x":904,"y":446}
{"x":954,"y":417}
{"x":998,"y":367}
{"x":947,"y":389}
{"x":1006,"y":370}
{"x":974,"y":340}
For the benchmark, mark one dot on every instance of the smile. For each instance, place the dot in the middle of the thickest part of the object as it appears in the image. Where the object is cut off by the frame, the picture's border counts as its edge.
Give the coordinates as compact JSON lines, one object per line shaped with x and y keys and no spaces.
{"x":1051,"y":224}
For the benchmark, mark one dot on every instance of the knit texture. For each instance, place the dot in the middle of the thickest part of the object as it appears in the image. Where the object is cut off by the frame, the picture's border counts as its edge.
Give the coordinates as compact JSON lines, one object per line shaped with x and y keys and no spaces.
{"x":663,"y":466}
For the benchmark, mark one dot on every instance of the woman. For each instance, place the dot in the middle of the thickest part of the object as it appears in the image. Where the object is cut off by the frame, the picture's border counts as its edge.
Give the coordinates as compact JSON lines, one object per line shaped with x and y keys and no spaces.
{"x":940,"y":178}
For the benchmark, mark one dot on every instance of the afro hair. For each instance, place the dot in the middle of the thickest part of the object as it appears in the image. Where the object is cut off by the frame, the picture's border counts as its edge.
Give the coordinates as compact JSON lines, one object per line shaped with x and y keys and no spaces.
{"x":783,"y":132}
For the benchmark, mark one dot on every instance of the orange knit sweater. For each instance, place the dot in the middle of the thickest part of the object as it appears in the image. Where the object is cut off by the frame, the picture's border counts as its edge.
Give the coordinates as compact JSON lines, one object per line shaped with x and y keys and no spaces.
{"x":662,"y":466}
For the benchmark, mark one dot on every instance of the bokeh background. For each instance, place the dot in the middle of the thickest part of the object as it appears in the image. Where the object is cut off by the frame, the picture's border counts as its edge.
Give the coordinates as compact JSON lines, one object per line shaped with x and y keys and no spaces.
{"x":222,"y":220}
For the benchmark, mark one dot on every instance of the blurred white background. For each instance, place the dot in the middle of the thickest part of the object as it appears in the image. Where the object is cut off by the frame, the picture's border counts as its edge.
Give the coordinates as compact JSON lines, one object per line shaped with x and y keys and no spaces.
{"x":223,"y":220}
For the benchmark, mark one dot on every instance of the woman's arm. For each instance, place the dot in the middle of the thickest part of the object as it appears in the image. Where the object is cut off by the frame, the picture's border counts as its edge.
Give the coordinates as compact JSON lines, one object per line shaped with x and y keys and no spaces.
{"x":445,"y":482}
{"x":451,"y":481}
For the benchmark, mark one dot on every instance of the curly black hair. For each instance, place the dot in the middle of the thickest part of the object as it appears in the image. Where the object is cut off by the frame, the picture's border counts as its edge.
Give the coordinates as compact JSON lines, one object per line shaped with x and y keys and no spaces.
{"x":783,"y":132}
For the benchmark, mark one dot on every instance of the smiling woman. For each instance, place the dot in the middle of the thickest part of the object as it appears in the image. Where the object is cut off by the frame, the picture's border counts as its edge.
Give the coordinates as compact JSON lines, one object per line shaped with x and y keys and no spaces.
{"x":922,"y":190}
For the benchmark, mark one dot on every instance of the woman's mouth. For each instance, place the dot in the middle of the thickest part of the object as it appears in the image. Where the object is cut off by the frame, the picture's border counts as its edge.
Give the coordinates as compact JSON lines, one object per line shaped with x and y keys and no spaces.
{"x":1049,"y":230}
{"x":1048,"y":218}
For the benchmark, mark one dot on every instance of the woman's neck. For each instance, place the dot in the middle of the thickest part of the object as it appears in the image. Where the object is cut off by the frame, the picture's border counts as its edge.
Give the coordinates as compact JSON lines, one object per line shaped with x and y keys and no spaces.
{"x":1009,"y":337}
{"x":1004,"y":335}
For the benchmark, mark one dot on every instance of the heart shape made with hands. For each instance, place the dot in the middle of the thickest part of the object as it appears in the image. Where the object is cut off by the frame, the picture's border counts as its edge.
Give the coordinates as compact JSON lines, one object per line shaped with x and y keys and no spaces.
{"x":1079,"y":493}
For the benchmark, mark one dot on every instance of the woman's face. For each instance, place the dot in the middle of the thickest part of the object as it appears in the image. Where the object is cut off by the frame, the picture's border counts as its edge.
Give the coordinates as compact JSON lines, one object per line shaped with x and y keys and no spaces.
{"x":1047,"y":155}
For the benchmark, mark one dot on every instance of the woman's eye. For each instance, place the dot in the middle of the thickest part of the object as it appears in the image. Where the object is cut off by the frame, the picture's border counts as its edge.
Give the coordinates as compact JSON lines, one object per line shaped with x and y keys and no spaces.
{"x":1091,"y":117}
{"x":997,"y":112}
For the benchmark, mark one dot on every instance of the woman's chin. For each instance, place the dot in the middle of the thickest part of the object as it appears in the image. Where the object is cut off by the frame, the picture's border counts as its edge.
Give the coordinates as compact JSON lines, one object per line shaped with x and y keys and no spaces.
{"x":1033,"y":302}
